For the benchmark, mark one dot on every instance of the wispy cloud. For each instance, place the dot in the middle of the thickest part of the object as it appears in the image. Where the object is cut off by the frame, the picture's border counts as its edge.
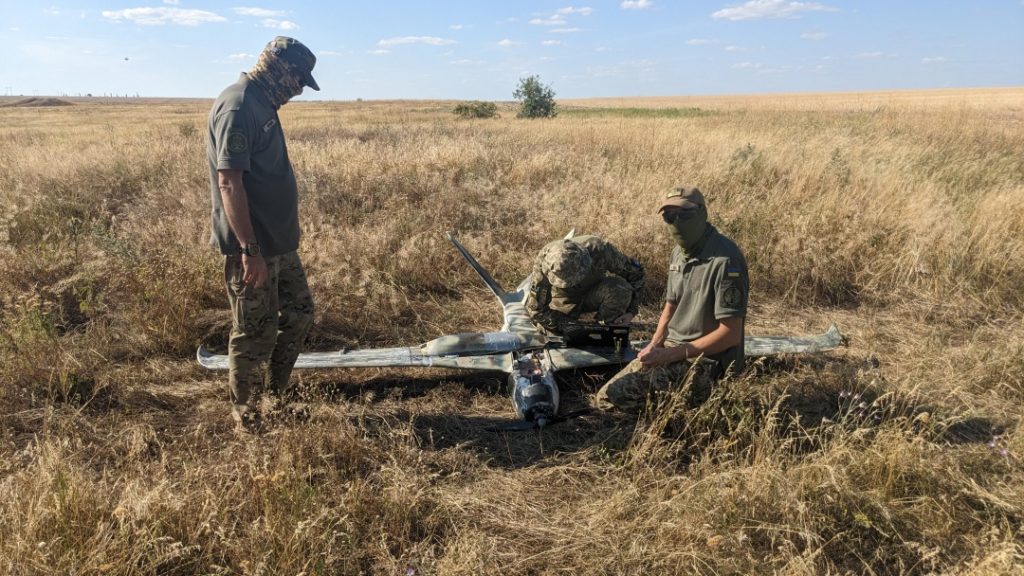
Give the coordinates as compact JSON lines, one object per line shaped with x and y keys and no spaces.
{"x":933,"y":59}
{"x":731,"y":48}
{"x":747,"y":65}
{"x":698,"y":41}
{"x":583,"y":11}
{"x":553,"y":20}
{"x":379,"y":51}
{"x":429,"y":40}
{"x":14,"y":29}
{"x":636,"y":4}
{"x":874,"y":54}
{"x":279,"y":24}
{"x":241,"y":56}
{"x":558,"y":18}
{"x":257,"y":12}
{"x":173,"y":2}
{"x":814,"y":35}
{"x":758,"y":9}
{"x":552,"y":43}
{"x":506,"y":42}
{"x":456,"y":27}
{"x":565,"y":30}
{"x":160,"y":16}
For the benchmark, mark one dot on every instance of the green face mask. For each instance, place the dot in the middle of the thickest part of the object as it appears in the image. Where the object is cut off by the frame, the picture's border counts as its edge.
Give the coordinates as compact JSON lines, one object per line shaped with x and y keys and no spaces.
{"x":687,"y":228}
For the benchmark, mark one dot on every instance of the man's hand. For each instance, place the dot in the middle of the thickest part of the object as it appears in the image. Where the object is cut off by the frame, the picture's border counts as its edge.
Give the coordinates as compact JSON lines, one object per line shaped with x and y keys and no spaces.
{"x":654,"y":356}
{"x":254,"y":270}
{"x":623,"y":320}
{"x":647,"y":350}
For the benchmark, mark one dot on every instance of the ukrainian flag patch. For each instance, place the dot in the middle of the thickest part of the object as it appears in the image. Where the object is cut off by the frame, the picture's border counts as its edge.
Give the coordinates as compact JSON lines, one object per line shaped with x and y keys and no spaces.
{"x":732,"y":272}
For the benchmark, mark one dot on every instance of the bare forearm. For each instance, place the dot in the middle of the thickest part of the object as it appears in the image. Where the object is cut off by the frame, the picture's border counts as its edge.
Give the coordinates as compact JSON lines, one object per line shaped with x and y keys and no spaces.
{"x":661,"y":332}
{"x":236,"y":205}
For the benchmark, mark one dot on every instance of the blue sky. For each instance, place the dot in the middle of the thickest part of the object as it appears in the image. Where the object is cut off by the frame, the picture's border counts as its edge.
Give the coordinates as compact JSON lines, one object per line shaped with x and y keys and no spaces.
{"x":474,"y":49}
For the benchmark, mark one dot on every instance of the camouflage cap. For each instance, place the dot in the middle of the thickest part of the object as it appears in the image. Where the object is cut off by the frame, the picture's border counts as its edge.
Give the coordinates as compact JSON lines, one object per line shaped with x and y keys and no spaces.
{"x":686,"y":197}
{"x":566,"y":264}
{"x":296,"y":55}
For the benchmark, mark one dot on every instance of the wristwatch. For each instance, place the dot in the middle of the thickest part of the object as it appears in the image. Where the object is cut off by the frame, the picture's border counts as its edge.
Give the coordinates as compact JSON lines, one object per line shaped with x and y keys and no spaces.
{"x":250,"y":249}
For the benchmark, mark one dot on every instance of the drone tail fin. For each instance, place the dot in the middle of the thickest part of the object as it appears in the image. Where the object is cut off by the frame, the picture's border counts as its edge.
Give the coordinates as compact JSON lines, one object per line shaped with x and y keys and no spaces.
{"x":495,"y":288}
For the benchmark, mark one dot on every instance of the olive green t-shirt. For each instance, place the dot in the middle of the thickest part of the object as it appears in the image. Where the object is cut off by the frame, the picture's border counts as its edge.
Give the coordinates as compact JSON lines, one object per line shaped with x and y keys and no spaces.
{"x":245,"y":134}
{"x":706,"y":289}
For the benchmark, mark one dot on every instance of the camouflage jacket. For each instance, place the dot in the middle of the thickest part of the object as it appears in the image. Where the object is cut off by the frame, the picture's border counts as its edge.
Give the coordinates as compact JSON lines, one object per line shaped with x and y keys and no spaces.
{"x":554,"y":308}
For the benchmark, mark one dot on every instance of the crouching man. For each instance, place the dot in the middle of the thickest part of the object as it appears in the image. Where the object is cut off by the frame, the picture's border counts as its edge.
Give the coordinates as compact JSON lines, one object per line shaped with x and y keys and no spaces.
{"x":581,"y":276}
{"x":705,"y":307}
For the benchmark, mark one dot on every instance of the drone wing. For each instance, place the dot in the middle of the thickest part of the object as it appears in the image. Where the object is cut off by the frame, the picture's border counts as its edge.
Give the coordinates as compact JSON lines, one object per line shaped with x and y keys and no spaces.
{"x":775,"y":345}
{"x":378,"y":358}
{"x":569,"y":358}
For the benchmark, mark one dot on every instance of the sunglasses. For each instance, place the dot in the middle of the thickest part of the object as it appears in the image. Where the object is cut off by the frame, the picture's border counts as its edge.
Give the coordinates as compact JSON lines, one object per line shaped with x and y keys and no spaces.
{"x":670,"y":216}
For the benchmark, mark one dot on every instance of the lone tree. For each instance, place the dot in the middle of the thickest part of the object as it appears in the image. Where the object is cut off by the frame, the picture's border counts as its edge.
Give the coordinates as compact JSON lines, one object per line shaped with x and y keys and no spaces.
{"x":537,"y":100}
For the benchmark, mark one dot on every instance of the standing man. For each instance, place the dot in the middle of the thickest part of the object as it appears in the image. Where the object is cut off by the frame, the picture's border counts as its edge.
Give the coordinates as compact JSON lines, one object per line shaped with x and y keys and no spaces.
{"x":582,"y":275}
{"x":703,"y":317}
{"x":256,"y":225}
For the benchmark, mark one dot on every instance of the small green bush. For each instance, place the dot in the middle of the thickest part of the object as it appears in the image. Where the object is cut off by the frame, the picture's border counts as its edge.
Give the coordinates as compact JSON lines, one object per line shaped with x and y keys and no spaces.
{"x":476,"y":109}
{"x":536,"y":100}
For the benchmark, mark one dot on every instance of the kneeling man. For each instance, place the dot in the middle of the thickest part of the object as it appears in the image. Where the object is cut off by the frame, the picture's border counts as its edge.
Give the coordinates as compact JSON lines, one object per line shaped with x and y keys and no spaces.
{"x":705,"y":306}
{"x":584,"y":275}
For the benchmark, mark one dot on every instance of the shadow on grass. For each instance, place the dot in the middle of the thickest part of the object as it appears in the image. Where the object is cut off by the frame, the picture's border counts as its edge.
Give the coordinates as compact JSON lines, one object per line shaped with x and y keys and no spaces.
{"x":487,"y":436}
{"x":515,"y":449}
{"x":811,"y":398}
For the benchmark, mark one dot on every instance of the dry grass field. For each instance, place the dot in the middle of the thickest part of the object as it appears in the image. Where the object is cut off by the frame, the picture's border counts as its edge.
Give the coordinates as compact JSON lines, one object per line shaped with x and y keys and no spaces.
{"x":898,"y":216}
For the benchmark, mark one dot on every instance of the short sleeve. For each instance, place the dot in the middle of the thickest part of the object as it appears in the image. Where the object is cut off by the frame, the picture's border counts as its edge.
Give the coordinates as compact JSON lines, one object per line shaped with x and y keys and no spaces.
{"x":233,"y":139}
{"x":674,"y":280}
{"x":731,"y":287}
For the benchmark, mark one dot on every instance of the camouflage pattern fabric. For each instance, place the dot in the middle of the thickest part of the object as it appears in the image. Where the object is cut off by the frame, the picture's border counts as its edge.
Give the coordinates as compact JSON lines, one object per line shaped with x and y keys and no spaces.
{"x":610,"y":287}
{"x":634,"y":387}
{"x":565,"y":264}
{"x":269,"y":326}
{"x":279,"y":78}
{"x":609,"y":299}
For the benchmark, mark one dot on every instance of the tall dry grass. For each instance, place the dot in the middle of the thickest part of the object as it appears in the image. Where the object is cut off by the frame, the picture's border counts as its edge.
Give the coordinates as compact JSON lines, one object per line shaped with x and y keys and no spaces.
{"x":898,"y":217}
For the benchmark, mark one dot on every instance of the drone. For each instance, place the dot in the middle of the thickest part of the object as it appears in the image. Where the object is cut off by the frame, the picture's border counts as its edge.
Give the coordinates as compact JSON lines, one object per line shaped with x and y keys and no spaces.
{"x":521,"y":350}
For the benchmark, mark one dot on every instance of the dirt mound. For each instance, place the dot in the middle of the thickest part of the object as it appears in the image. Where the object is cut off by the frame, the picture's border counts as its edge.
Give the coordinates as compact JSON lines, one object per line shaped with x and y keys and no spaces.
{"x":38,"y":102}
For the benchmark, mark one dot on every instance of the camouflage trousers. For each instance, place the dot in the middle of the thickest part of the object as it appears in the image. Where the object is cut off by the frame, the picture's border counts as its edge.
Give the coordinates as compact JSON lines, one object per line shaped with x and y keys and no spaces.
{"x":608,"y":300}
{"x":634,"y":386}
{"x":269,"y":326}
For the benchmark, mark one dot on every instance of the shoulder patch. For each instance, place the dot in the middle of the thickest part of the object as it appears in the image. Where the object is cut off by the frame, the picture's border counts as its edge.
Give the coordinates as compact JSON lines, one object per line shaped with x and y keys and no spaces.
{"x":237,"y":142}
{"x":733,"y":271}
{"x":732,"y":297}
